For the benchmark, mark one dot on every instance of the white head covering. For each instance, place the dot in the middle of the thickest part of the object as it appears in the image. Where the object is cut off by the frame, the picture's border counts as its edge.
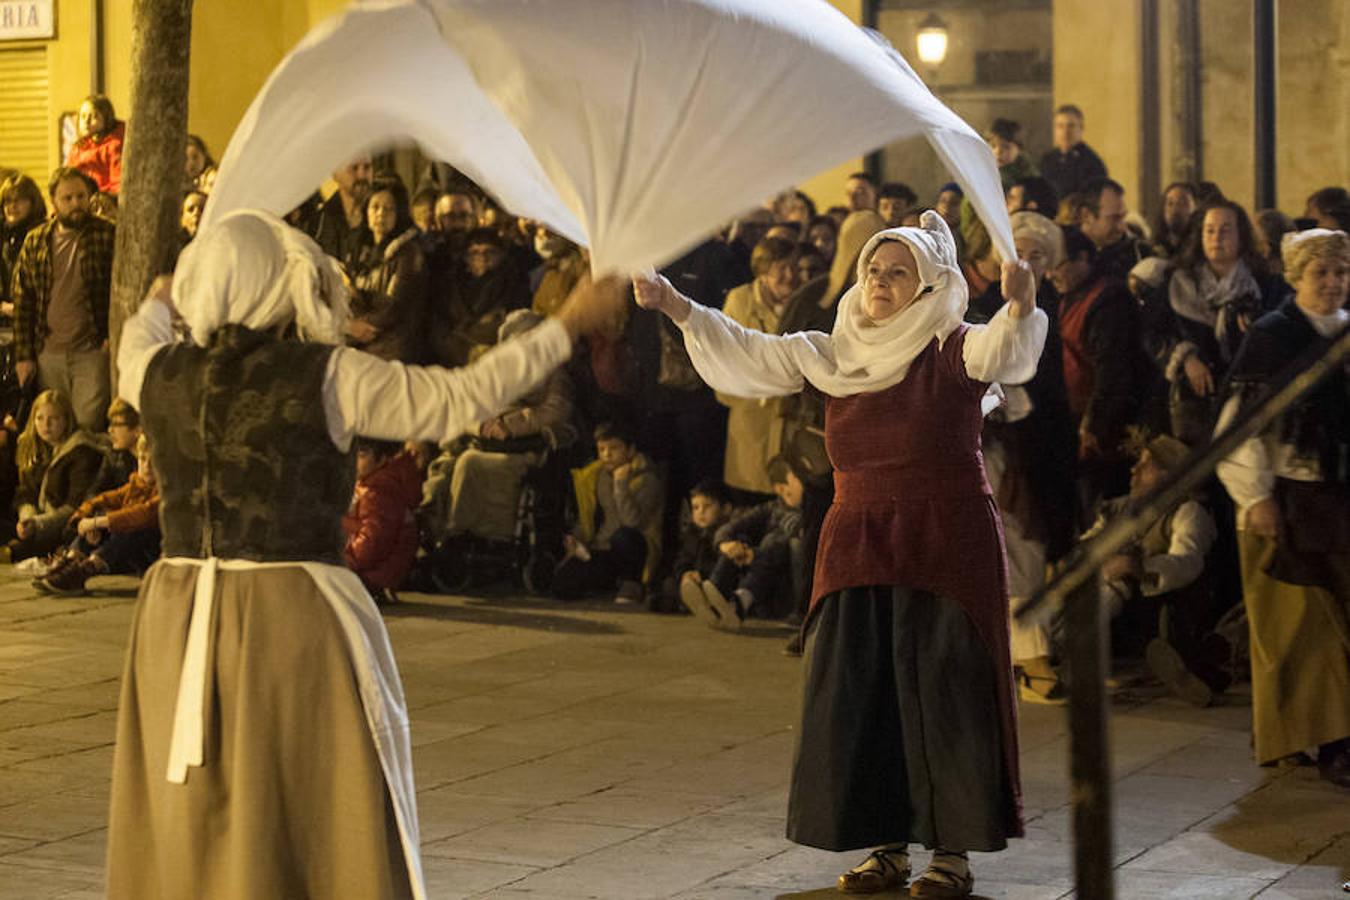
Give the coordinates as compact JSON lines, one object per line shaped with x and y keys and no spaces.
{"x":250,"y":268}
{"x":1296,"y":246}
{"x":872,"y":356}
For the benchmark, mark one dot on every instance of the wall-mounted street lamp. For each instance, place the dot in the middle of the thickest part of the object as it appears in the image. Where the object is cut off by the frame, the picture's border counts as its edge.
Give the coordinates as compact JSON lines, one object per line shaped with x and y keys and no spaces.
{"x":932,"y":40}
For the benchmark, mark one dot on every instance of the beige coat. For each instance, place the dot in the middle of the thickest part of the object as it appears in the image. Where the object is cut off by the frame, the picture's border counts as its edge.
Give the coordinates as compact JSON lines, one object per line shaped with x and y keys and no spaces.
{"x":754,"y":427}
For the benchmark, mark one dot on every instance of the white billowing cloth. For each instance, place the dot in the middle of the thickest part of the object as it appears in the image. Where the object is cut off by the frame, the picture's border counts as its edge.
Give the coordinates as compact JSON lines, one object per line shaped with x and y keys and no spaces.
{"x":861,"y":355}
{"x":253,"y":269}
{"x":632,"y":127}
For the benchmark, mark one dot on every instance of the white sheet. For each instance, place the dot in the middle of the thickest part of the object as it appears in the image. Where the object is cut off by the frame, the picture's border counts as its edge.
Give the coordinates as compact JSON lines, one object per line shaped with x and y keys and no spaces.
{"x":633,"y":127}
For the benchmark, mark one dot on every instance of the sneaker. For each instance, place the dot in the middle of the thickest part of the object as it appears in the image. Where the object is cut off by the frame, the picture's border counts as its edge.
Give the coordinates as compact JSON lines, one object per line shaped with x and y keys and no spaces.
{"x":55,"y":563}
{"x":70,"y":581}
{"x":630,"y":592}
{"x":694,"y":600}
{"x":1169,"y":668}
{"x":728,"y":613}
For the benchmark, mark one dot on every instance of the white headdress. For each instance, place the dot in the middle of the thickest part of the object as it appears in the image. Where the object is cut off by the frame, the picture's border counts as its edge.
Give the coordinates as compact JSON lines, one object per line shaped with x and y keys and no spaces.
{"x":872,"y":356}
{"x":250,"y":268}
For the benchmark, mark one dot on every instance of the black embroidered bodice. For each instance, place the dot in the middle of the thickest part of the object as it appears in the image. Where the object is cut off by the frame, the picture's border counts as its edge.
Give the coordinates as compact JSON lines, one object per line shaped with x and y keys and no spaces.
{"x":240,"y":443}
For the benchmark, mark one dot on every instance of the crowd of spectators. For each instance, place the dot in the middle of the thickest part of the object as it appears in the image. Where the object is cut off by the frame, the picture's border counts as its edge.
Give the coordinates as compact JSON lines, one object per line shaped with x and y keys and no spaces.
{"x":685,"y":499}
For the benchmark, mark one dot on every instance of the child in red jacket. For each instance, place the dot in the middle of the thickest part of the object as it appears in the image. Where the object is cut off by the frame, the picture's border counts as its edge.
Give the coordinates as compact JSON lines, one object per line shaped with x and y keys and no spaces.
{"x":98,"y":152}
{"x":116,"y":532}
{"x":381,"y":530}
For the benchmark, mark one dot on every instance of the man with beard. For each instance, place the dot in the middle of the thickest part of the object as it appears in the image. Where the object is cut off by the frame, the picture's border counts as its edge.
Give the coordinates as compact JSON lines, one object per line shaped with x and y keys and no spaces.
{"x":62,"y":286}
{"x":340,"y":226}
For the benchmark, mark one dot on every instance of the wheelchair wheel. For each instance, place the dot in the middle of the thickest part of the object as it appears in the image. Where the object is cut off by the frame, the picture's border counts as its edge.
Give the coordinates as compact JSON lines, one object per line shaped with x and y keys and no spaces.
{"x":451,"y":573}
{"x":537,"y":572}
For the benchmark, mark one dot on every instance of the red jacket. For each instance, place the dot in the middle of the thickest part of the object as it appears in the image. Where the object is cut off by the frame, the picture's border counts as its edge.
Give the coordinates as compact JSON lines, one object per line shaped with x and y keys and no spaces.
{"x":101,"y":158}
{"x":132,"y":507}
{"x":381,"y":531}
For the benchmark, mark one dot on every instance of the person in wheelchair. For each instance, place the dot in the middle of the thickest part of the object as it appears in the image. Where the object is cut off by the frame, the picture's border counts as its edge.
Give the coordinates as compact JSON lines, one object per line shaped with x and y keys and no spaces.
{"x":474,"y":486}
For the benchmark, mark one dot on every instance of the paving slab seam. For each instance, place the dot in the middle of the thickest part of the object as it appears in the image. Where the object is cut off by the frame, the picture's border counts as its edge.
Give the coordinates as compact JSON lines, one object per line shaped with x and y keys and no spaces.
{"x":75,"y":718}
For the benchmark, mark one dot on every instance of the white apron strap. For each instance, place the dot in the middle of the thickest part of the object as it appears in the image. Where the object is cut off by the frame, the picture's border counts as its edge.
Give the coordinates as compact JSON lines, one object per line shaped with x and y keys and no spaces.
{"x":189,"y":731}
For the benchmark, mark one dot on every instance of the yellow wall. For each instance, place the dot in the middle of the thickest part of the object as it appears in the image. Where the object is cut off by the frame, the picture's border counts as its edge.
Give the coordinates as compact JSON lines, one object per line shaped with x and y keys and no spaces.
{"x":1313,"y":91}
{"x":827,"y":188}
{"x":1097,"y":68}
{"x":233,"y":54}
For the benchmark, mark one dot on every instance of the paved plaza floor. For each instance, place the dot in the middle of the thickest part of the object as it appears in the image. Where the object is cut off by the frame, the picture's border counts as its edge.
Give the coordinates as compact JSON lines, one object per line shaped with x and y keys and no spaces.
{"x":566,"y":752}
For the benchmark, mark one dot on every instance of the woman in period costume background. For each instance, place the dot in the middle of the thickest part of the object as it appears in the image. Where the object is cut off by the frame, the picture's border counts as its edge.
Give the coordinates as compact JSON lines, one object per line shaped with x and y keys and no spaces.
{"x":262,"y":738}
{"x":908,"y":725}
{"x":1291,"y":487}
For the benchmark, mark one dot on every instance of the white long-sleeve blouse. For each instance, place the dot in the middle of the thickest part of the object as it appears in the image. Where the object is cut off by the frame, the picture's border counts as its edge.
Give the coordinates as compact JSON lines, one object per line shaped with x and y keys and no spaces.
{"x":365,"y":395}
{"x":746,"y":363}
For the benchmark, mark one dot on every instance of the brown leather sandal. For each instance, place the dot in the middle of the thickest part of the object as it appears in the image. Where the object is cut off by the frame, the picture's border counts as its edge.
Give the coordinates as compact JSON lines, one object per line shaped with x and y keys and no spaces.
{"x":939,"y":884}
{"x":879,"y":872}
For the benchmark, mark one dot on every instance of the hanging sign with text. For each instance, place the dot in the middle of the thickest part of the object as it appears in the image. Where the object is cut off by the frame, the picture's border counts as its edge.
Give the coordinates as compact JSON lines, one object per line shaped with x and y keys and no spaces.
{"x":22,"y":20}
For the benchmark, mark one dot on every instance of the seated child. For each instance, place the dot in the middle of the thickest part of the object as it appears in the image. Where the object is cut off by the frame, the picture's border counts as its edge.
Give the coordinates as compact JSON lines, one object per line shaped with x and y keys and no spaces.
{"x":381,"y":530}
{"x":1157,"y":590}
{"x":116,"y":532}
{"x":754,"y":568}
{"x":57,"y":462}
{"x":119,"y":460}
{"x":709,"y":509}
{"x":618,"y":532}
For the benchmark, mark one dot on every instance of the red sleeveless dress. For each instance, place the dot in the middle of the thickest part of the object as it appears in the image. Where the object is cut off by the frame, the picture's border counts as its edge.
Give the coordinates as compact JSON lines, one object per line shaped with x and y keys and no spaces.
{"x":912,"y":506}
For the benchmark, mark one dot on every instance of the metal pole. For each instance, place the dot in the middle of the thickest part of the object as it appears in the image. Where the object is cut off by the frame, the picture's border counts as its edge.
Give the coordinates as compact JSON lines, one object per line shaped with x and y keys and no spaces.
{"x":1264,"y":59}
{"x":1089,"y":744}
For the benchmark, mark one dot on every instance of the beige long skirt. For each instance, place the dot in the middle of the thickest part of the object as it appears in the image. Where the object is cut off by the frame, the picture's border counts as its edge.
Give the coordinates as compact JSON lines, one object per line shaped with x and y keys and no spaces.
{"x":1300,"y":647}
{"x":290,"y":800}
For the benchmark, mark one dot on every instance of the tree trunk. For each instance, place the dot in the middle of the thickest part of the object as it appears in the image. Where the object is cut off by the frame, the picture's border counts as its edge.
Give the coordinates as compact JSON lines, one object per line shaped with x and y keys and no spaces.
{"x":152,"y":162}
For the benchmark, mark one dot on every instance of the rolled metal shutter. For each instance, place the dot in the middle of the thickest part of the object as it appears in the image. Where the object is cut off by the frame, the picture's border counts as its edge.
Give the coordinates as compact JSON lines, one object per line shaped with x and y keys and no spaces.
{"x":25,"y":121}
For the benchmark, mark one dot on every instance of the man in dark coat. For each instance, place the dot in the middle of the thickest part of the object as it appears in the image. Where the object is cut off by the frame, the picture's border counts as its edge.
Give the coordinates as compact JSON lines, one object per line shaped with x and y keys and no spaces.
{"x":1103,"y":367}
{"x":1103,"y":221}
{"x":1070,"y":165}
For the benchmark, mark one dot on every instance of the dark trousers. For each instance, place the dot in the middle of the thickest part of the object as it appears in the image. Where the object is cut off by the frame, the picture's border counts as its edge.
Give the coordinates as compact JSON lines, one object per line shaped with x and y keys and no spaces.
{"x":127,"y":553}
{"x":768,"y":578}
{"x":621,"y":561}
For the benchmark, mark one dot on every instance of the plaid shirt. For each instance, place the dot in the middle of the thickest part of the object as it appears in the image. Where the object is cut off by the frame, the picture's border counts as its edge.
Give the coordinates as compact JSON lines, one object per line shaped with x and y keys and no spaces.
{"x":33,"y":282}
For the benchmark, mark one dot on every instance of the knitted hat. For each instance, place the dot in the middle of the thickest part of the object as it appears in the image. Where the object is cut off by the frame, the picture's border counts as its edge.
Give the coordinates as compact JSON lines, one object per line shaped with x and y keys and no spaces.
{"x":1047,"y":235}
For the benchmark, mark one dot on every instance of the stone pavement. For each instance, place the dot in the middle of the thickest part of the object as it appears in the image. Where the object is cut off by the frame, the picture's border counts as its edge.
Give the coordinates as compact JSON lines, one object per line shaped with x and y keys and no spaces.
{"x":594,"y":751}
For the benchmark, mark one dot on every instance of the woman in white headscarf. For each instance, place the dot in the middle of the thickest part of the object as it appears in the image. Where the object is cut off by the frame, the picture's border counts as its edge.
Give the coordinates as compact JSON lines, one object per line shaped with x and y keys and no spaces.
{"x":262,"y":738}
{"x":909,"y":719}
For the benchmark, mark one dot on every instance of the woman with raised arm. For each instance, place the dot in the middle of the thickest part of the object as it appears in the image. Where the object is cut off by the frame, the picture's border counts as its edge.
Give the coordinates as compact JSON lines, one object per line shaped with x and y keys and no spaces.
{"x":262,"y":737}
{"x":909,"y":721}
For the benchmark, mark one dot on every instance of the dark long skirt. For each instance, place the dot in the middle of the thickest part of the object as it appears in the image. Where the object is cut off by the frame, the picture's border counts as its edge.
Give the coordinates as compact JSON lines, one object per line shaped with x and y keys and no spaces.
{"x":900,"y":736}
